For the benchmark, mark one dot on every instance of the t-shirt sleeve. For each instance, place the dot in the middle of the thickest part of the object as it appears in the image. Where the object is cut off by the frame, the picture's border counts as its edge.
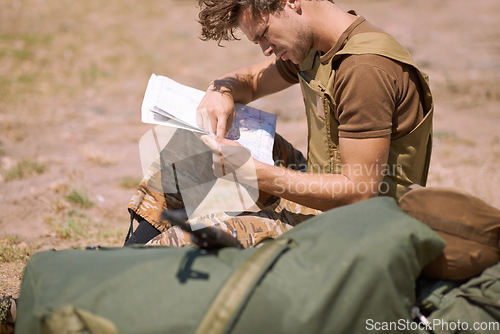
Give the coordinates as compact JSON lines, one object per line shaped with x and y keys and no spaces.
{"x":288,"y":70}
{"x":365,"y":96}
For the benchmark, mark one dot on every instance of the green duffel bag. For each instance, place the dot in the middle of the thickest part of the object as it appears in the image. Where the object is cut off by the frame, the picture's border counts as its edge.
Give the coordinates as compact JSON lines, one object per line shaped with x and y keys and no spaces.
{"x":349,"y":270}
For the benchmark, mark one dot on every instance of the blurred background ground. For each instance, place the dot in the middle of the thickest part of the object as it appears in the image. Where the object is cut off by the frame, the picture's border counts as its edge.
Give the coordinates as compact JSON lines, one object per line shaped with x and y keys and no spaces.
{"x":73,"y":74}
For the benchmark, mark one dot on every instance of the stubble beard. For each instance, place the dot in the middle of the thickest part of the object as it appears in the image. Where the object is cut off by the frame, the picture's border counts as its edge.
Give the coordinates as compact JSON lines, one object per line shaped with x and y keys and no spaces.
{"x":301,"y":48}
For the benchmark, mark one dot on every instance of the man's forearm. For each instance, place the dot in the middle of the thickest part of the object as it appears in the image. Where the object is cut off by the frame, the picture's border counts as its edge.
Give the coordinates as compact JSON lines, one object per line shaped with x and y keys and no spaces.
{"x":250,"y":83}
{"x":364,"y":168}
{"x":318,"y":191}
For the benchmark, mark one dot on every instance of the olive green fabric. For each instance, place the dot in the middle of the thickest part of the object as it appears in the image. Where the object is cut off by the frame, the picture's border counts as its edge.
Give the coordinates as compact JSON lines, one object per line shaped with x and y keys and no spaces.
{"x":409,"y":156}
{"x":351,"y":265}
{"x":474,"y":303}
{"x":140,"y":290}
{"x":346,"y":266}
{"x":233,"y":295}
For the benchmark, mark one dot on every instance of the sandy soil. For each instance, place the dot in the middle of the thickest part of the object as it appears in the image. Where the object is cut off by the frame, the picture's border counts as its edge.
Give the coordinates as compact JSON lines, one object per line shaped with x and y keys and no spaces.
{"x":73,"y":74}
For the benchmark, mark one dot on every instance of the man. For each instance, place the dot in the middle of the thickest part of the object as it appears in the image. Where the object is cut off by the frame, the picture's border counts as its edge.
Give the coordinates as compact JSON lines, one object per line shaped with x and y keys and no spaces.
{"x":369,"y":109}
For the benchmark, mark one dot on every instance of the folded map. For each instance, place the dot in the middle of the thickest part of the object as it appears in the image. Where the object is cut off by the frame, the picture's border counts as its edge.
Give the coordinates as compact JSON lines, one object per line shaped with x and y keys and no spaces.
{"x":167,"y":102}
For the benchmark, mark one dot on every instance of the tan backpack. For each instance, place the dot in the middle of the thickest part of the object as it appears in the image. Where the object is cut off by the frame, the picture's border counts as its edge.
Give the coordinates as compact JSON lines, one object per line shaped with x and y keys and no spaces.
{"x":469,"y":226}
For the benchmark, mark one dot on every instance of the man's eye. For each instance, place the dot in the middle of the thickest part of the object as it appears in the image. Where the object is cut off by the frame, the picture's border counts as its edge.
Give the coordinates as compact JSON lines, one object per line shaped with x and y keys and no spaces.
{"x":265,"y":32}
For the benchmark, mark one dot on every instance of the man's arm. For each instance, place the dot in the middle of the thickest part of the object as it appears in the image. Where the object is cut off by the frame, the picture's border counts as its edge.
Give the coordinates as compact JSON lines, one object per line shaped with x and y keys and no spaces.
{"x":216,"y":110}
{"x":364,"y":164}
{"x":363,"y":169}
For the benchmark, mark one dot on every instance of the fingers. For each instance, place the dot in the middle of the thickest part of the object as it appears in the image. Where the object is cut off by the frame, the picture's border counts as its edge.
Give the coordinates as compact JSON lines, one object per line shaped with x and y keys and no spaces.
{"x":217,"y":157}
{"x":221,"y":130}
{"x":199,"y":117}
{"x":215,"y":113}
{"x":228,"y":156}
{"x":221,"y":160}
{"x":212,"y":121}
{"x":204,"y":121}
{"x":224,"y":127}
{"x":210,"y":141}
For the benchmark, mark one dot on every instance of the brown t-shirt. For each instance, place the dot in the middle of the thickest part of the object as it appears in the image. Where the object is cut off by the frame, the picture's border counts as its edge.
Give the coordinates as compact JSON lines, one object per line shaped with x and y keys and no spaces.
{"x":375,"y":96}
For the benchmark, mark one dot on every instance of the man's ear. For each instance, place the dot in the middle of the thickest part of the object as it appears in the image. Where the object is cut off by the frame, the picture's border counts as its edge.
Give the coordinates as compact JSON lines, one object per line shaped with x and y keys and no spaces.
{"x":293,"y":5}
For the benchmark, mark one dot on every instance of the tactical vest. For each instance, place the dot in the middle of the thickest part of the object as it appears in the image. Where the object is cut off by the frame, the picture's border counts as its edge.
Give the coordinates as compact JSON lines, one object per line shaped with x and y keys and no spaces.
{"x":409,"y":156}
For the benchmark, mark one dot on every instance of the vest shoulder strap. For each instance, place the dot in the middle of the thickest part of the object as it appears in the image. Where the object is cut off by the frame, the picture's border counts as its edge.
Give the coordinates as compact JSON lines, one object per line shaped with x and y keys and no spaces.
{"x":376,"y":43}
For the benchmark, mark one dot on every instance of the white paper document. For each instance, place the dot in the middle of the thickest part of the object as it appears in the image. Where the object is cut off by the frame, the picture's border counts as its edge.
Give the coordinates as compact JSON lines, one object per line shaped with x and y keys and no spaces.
{"x":167,"y":102}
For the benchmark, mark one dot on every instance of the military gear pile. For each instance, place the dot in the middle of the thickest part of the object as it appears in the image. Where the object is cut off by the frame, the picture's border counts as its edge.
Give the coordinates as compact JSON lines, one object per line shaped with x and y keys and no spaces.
{"x":333,"y":273}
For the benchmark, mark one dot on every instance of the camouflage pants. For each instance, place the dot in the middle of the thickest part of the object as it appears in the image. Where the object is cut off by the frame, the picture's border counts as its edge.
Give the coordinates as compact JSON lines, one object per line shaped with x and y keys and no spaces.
{"x":276,"y":215}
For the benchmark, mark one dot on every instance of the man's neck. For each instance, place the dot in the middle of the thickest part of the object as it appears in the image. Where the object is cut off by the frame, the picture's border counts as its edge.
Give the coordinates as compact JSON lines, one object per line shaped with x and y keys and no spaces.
{"x":328,"y":21}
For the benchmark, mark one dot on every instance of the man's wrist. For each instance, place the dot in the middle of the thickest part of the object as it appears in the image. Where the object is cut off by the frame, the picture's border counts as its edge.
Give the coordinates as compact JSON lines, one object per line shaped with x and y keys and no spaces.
{"x":222,"y":86}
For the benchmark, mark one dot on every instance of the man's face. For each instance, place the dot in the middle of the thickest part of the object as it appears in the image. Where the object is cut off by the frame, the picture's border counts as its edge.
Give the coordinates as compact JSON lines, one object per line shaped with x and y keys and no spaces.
{"x":281,"y":34}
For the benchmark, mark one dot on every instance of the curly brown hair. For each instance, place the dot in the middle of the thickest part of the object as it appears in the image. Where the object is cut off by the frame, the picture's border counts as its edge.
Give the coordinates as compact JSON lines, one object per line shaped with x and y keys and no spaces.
{"x":219,"y":18}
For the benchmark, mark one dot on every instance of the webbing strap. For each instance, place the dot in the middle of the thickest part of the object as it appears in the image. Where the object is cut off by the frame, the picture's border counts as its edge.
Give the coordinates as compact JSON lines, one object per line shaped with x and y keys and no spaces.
{"x":238,"y":288}
{"x":131,"y":227}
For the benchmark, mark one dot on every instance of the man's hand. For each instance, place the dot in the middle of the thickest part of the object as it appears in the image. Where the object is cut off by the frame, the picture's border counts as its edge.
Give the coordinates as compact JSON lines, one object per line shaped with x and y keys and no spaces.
{"x":229,"y":157}
{"x":215,"y":113}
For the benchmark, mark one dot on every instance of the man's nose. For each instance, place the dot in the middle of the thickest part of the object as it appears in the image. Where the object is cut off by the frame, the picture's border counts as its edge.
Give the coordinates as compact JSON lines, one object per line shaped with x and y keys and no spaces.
{"x":267,"y":48}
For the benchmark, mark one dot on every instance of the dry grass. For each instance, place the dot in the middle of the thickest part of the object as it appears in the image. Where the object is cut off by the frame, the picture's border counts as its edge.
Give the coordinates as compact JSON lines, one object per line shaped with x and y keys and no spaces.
{"x":24,"y":168}
{"x":79,"y":198}
{"x":76,"y":227}
{"x":13,"y":249}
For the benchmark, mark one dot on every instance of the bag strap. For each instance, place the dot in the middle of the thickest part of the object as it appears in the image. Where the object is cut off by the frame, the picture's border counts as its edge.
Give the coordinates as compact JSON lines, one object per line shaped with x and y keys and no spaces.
{"x":239,"y":287}
{"x":131,"y":227}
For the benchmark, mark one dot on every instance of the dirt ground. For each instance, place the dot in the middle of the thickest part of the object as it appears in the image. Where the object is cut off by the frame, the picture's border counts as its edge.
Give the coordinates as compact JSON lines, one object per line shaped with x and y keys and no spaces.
{"x":73,"y":74}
